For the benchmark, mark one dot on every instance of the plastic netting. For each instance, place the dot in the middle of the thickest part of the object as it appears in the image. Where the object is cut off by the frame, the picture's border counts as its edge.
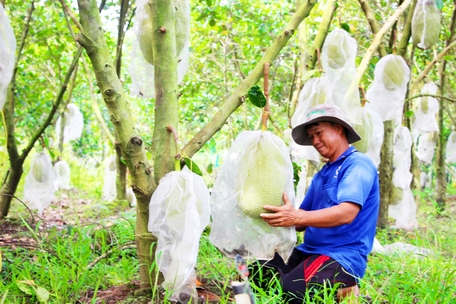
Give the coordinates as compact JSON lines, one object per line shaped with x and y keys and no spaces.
{"x":131,"y":197}
{"x":62,"y":174}
{"x":387,"y":93}
{"x":451,"y":148}
{"x":110,"y":176}
{"x":7,"y":54}
{"x":426,"y":24}
{"x":402,"y":157}
{"x":371,"y":132}
{"x":426,"y":147}
{"x":402,"y":207}
{"x":39,"y":185}
{"x":338,"y":57}
{"x":231,"y":230}
{"x":426,"y":112}
{"x":141,"y":67}
{"x":179,"y":211}
{"x":74,"y":124}
{"x":404,"y":211}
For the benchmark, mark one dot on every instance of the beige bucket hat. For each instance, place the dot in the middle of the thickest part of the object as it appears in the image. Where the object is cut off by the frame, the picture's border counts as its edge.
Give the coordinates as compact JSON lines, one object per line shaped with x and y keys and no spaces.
{"x":323,"y":112}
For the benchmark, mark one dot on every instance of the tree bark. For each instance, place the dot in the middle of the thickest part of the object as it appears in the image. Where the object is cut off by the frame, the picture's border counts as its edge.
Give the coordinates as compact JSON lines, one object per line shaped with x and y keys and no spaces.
{"x":132,"y":146}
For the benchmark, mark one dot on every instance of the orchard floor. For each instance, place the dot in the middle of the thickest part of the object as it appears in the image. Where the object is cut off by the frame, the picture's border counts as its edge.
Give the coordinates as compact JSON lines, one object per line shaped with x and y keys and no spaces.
{"x":65,"y":210}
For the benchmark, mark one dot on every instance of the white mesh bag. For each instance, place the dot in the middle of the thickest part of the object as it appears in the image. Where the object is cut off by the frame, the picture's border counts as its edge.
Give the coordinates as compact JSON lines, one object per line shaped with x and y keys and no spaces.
{"x":426,"y":147}
{"x":338,"y":57}
{"x":402,"y":157}
{"x":74,"y":124}
{"x":426,"y":112}
{"x":110,"y":177}
{"x":62,"y":174}
{"x":404,"y":212}
{"x":231,"y":230}
{"x":141,"y":67}
{"x":7,"y":54}
{"x":179,"y":210}
{"x":371,"y":133}
{"x":39,"y":185}
{"x":387,"y":93}
{"x":451,"y":148}
{"x":426,"y":24}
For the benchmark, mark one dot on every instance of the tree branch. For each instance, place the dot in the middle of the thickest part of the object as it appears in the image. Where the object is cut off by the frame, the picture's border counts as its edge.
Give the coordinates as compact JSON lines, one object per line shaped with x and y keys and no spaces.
{"x":238,"y":97}
{"x":431,"y":95}
{"x":373,"y":24}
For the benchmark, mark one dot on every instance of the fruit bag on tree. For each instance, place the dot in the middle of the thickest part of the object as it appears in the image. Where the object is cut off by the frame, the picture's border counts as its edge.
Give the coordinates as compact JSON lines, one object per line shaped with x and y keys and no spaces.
{"x":371,"y":132}
{"x":426,"y":147}
{"x":425,"y":116}
{"x":386,"y":95}
{"x":338,"y":57}
{"x":141,"y":67}
{"x":7,"y":54}
{"x":39,"y":185}
{"x":426,"y":24}
{"x":110,"y":177}
{"x":179,"y":210}
{"x":451,"y":148}
{"x":404,"y":212}
{"x":62,"y":174}
{"x":74,"y":124}
{"x":316,"y":91}
{"x":402,"y":145}
{"x":256,"y":171}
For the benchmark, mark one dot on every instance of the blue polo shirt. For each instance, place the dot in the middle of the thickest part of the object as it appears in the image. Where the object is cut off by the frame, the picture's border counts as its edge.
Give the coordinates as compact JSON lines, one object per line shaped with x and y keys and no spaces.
{"x":351,"y":178}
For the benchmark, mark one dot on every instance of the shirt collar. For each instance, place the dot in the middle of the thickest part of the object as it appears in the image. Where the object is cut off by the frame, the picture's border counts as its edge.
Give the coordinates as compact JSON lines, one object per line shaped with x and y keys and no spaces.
{"x":347,"y":152}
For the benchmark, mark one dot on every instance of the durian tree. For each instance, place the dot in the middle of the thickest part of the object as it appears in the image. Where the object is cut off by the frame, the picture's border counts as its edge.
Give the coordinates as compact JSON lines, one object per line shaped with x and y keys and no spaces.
{"x":164,"y":150}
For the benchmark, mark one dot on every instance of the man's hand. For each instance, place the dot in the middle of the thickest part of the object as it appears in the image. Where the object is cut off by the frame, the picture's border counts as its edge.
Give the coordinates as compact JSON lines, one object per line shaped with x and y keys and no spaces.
{"x":283,"y":216}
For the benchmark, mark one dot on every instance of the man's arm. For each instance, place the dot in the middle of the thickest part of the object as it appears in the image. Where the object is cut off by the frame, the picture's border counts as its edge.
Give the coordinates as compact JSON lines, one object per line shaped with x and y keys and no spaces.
{"x":287,"y":215}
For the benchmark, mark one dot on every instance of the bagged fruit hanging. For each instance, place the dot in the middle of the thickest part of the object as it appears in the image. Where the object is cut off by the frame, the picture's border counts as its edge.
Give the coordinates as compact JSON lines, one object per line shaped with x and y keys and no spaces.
{"x":179,"y":210}
{"x":451,"y":148}
{"x":40,"y":185}
{"x":7,"y":54}
{"x":141,"y":66}
{"x":386,"y":95}
{"x":256,"y":171}
{"x":62,"y":174}
{"x":426,"y":24}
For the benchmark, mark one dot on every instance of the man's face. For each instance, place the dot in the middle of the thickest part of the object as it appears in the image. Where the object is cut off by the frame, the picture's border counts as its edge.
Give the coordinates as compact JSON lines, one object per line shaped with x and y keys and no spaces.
{"x":326,"y":138}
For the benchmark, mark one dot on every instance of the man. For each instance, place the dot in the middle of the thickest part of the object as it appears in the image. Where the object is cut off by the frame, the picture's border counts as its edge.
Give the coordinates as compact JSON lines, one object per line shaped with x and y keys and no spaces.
{"x":339,"y":211}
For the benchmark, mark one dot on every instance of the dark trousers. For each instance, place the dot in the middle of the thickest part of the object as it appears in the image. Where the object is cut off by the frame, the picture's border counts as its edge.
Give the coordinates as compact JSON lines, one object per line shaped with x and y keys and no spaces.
{"x":302,"y":273}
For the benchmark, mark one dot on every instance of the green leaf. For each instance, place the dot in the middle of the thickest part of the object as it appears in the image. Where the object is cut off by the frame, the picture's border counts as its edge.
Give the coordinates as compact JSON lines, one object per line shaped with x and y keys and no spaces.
{"x":409,"y":113}
{"x":345,"y":27}
{"x":257,"y":97}
{"x":25,"y":286}
{"x":192,"y":166}
{"x":42,"y":294}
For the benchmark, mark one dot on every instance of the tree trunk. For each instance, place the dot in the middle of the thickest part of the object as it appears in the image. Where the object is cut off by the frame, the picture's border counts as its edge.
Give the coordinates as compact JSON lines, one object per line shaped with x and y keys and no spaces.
{"x":132,"y":146}
{"x":386,"y":173}
{"x":121,"y":172}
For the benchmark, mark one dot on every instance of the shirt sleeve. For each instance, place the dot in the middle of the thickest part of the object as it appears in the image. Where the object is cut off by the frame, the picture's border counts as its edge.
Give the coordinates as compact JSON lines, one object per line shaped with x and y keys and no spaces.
{"x":356,"y":182}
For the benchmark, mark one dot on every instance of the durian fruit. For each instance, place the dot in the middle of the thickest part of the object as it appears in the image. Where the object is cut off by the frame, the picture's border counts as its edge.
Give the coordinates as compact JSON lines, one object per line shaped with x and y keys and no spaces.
{"x":265,"y":180}
{"x":336,"y":56}
{"x":426,"y":24}
{"x":365,"y":132}
{"x":181,"y":28}
{"x":39,"y":170}
{"x":393,"y":73}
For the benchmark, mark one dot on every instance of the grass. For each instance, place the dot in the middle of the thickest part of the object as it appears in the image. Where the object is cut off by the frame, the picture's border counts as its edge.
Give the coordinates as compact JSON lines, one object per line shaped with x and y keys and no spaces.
{"x":94,"y":250}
